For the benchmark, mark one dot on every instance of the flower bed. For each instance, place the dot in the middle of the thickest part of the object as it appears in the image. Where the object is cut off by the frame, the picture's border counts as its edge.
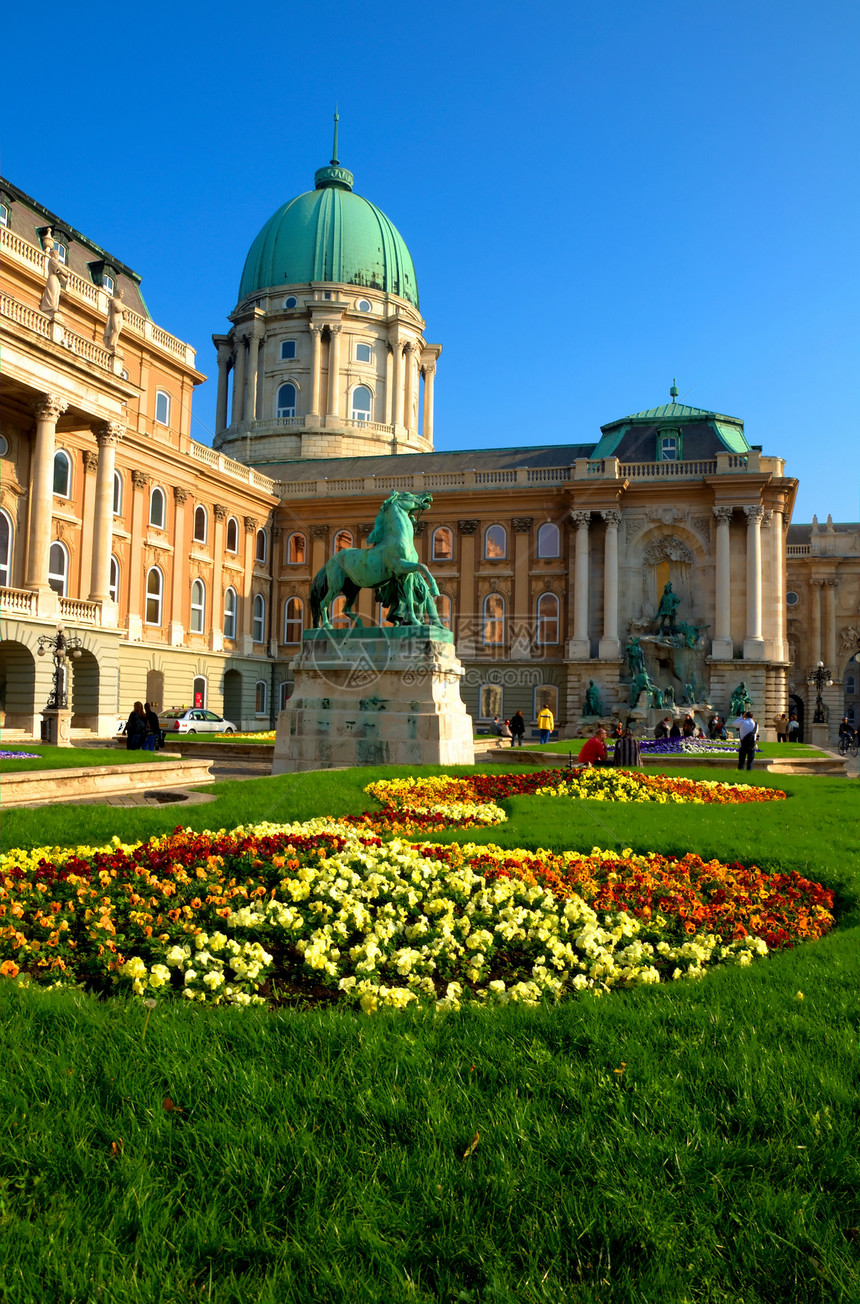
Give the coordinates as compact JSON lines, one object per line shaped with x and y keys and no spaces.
{"x":19,"y":756}
{"x":686,"y":747}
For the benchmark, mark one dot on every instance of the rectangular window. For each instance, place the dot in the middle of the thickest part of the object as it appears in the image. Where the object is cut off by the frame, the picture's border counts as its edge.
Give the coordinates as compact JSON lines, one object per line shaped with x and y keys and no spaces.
{"x":162,"y":408}
{"x":108,"y":284}
{"x":62,"y":252}
{"x":363,"y":353}
{"x":669,"y":448}
{"x":288,"y":350}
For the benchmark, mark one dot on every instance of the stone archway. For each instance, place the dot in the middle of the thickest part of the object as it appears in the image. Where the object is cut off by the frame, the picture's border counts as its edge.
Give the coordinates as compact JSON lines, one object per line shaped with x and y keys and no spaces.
{"x":17,"y":686}
{"x":84,"y":695}
{"x":233,"y":696}
{"x":797,"y":706}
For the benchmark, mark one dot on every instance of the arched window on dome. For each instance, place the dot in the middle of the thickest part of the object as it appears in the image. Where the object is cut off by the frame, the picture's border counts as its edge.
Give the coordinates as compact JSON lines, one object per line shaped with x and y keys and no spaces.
{"x":291,"y":302}
{"x":361,"y":403}
{"x":549,"y":540}
{"x":286,"y":401}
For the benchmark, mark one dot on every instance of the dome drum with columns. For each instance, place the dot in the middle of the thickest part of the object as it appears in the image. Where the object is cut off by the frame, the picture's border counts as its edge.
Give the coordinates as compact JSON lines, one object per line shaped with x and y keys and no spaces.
{"x":326,"y":356}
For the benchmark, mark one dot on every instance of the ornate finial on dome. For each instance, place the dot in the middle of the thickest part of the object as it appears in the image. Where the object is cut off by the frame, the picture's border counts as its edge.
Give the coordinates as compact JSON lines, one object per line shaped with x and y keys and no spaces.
{"x":334,"y":177}
{"x":673,"y":392}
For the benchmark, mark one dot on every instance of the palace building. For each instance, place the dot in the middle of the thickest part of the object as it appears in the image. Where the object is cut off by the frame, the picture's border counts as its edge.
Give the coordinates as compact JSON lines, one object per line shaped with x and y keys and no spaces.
{"x":186,"y":570}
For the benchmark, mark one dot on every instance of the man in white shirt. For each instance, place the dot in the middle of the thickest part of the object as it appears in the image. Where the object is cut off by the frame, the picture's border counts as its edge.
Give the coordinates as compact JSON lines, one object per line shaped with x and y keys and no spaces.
{"x":747,"y":733}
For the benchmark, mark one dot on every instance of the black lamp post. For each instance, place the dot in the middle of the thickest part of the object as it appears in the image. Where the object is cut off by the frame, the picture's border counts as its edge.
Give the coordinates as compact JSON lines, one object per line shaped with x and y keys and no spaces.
{"x":61,"y":649}
{"x":819,"y":675}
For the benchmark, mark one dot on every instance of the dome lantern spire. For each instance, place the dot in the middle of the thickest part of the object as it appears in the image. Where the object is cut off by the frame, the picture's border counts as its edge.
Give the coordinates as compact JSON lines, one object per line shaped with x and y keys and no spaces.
{"x":334,"y":158}
{"x":334,"y":177}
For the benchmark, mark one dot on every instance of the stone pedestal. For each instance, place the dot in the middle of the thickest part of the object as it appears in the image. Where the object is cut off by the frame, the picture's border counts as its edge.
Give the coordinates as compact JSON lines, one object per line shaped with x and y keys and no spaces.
{"x":374,"y":697}
{"x":56,"y":727}
{"x":820,"y":736}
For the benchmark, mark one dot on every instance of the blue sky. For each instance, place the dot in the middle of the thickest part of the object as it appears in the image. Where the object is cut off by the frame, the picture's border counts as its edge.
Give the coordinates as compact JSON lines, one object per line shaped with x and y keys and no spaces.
{"x":597,"y":198}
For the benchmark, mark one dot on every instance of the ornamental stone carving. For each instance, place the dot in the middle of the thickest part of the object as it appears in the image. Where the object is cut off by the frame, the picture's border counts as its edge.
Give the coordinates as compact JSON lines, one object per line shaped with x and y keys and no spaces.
{"x":612,"y":518}
{"x":467,"y":527}
{"x":108,"y":432}
{"x":702,"y":524}
{"x":419,"y":527}
{"x":581,"y":519}
{"x":139,"y":478}
{"x":849,"y":639}
{"x":219,"y":511}
{"x":91,"y":460}
{"x":723,"y":513}
{"x":365,"y":528}
{"x":522,"y":524}
{"x":669,"y":548}
{"x":250,"y":524}
{"x":664,"y":515}
{"x":754,"y":513}
{"x":321,"y":531}
{"x":49,"y":407}
{"x":180,"y":495}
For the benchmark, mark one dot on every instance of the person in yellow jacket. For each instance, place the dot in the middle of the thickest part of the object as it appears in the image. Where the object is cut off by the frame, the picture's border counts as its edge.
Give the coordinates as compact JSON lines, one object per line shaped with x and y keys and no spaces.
{"x":546,"y":724}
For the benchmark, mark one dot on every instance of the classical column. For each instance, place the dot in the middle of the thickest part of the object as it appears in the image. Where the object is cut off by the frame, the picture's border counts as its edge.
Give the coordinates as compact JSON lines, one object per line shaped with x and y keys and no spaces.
{"x":248,"y":586}
{"x":522,"y":624}
{"x":580,"y":646}
{"x":469,"y":634}
{"x":334,"y":371}
{"x":389,"y":385}
{"x":108,"y":435}
{"x":722,"y":647}
{"x":429,"y":379}
{"x":815,"y":649}
{"x":316,"y":362}
{"x":409,"y":363}
{"x":610,"y":647}
{"x":48,"y":409}
{"x":224,"y":362}
{"x":398,"y":384}
{"x":181,"y":579}
{"x":775,"y":623}
{"x":830,"y":586}
{"x":216,"y":621}
{"x":137,"y":569}
{"x":238,"y":380}
{"x":254,"y":340}
{"x":754,"y":643}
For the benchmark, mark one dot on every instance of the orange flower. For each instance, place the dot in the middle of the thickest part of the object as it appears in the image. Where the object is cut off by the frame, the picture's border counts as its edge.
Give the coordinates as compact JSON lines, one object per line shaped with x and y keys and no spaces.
{"x":9,"y":969}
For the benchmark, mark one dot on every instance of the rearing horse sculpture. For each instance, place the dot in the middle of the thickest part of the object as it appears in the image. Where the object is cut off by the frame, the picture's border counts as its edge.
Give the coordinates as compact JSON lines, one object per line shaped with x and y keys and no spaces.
{"x":389,"y":565}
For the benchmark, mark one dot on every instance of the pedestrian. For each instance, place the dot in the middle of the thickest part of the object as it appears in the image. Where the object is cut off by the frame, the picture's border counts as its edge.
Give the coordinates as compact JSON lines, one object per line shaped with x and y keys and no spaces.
{"x":675,"y":731}
{"x":153,"y":738}
{"x":689,"y":726}
{"x":747,"y":733}
{"x":628,"y":753}
{"x":496,"y":727}
{"x":780,"y":724}
{"x":662,"y":728}
{"x":135,"y":728}
{"x":793,"y":728}
{"x":505,"y":729}
{"x":546,"y":723}
{"x":594,"y":749}
{"x":714,"y":727}
{"x":617,"y":731}
{"x":846,"y":735}
{"x":518,"y":728}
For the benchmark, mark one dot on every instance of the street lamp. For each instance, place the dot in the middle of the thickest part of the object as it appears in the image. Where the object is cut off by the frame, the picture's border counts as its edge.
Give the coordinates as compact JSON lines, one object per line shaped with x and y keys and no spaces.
{"x":61,"y":649}
{"x":820,"y":677}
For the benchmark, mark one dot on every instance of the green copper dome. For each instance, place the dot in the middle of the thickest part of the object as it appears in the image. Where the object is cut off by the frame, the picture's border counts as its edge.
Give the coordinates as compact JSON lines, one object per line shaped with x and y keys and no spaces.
{"x":330,"y":234}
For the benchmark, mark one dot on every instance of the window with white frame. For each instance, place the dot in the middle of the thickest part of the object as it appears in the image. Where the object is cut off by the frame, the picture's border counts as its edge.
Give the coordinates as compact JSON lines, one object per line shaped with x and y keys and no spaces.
{"x":296,"y":550}
{"x":58,"y":568}
{"x":201,"y":524}
{"x":443,"y":543}
{"x":288,"y":350}
{"x":495,"y":543}
{"x":493,"y":624}
{"x":286,"y":406}
{"x":549,"y":540}
{"x":198,"y":607}
{"x":489,"y":701}
{"x":294,"y":620}
{"x":117,"y":494}
{"x":361,"y":403}
{"x":285,"y":692}
{"x":261,"y":549}
{"x":113,"y":582}
{"x":261,"y":696}
{"x":364,"y":305}
{"x":232,"y":540}
{"x":669,"y":448}
{"x":62,"y":474}
{"x":156,"y":508}
{"x":547,"y":619}
{"x":162,"y":407}
{"x":259,"y":634}
{"x":5,"y":215}
{"x":108,"y":284}
{"x":343,"y":539}
{"x":546,"y":695}
{"x":291,"y":302}
{"x":363,"y":353}
{"x":5,"y":550}
{"x":154,"y":591}
{"x":62,"y":251}
{"x":230,"y":607}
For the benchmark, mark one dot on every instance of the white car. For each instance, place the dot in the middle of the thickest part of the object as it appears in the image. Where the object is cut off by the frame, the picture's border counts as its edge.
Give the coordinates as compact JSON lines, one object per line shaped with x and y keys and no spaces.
{"x":194,"y":720}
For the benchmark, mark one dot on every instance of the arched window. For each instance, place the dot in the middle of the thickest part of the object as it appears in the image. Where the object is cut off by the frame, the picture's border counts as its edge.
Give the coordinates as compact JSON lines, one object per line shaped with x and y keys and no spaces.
{"x":260,"y":551}
{"x":230,"y":605}
{"x":62,"y":474}
{"x":259,"y":619}
{"x":285,"y":692}
{"x":232,"y":543}
{"x":343,"y":539}
{"x":5,"y":549}
{"x":154,"y":589}
{"x":198,"y":692}
{"x":117,"y":494}
{"x":162,"y":407}
{"x":338,"y":619}
{"x":296,"y":550}
{"x":361,"y":403}
{"x":113,"y":582}
{"x":547,"y":618}
{"x":201,"y":524}
{"x":286,"y":401}
{"x":198,"y":606}
{"x":261,"y":698}
{"x":58,"y":568}
{"x":546,"y":695}
{"x":549,"y":540}
{"x":443,"y":544}
{"x":495,"y":543}
{"x":494,"y":619}
{"x":294,"y":620}
{"x":156,"y":508}
{"x":445,"y":608}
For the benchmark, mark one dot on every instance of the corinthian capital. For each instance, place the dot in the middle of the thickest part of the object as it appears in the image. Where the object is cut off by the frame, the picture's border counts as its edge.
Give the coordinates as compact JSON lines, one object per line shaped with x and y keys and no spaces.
{"x":723,"y":514}
{"x":49,"y":407}
{"x":108,"y":432}
{"x":139,"y":478}
{"x":581,"y":519}
{"x":180,"y":495}
{"x":754,"y":513}
{"x":220,"y":512}
{"x":612,"y":518}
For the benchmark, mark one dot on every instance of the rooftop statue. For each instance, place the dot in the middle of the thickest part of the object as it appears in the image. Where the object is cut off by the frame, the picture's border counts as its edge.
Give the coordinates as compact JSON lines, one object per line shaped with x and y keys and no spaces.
{"x":389,"y":565}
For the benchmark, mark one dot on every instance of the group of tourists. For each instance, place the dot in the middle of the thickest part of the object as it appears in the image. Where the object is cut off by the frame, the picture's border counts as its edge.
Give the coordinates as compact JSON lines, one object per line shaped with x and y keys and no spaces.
{"x":513,"y":728}
{"x":143,"y":729}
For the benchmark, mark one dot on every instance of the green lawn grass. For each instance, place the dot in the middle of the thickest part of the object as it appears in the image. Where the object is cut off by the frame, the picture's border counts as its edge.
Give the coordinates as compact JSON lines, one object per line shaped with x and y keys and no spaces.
{"x":71,"y":758}
{"x":692,"y":1143}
